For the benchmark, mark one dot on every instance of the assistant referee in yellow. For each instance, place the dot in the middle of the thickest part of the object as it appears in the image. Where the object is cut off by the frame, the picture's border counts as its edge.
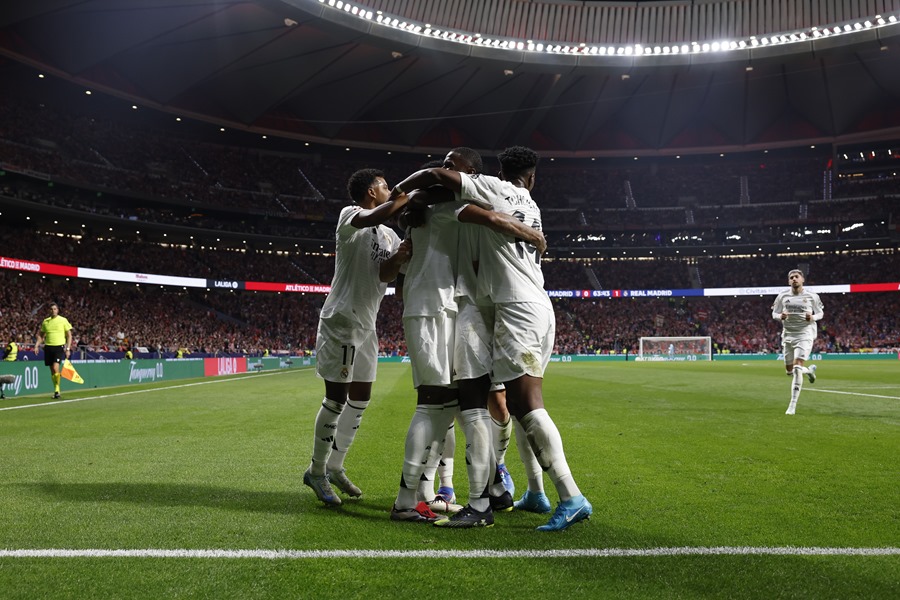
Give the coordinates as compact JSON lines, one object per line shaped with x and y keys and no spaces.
{"x":56,"y":336}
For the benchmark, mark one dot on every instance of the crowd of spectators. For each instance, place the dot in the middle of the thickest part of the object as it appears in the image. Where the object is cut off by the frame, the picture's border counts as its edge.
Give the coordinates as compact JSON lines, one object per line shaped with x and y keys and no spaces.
{"x":114,"y":317}
{"x":183,"y":261}
{"x":735,"y":324}
{"x":126,"y":170}
{"x":721,"y":272}
{"x":305,"y":267}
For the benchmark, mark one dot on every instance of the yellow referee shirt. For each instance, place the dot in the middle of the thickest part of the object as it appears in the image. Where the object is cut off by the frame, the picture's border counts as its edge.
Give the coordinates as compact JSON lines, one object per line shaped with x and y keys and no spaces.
{"x":54,"y":330}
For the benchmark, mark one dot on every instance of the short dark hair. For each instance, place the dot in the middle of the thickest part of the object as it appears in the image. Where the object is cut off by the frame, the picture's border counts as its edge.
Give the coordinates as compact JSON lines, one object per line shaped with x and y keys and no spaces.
{"x":52,"y":304}
{"x":472,"y":156}
{"x":517,"y":160}
{"x":360,"y":182}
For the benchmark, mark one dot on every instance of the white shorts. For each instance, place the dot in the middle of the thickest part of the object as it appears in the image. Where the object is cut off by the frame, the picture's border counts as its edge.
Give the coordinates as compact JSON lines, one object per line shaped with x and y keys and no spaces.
{"x":795,"y":348}
{"x":523,"y":340}
{"x":429,"y":341}
{"x":344,"y":352}
{"x":472,"y":355}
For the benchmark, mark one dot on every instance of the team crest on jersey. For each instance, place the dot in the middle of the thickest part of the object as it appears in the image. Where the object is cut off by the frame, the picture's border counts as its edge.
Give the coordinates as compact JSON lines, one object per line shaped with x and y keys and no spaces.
{"x":344,"y":373}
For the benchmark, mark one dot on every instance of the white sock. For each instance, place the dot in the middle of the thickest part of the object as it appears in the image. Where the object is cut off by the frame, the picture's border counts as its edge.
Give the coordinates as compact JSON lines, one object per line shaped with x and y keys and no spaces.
{"x":500,"y":436}
{"x":446,"y":460}
{"x":347,"y":427}
{"x":440,"y":462}
{"x":480,"y":462}
{"x":533,"y":471}
{"x":326,"y":424}
{"x":425,"y":490}
{"x":545,"y":441}
{"x":427,"y":423}
{"x":796,"y":386}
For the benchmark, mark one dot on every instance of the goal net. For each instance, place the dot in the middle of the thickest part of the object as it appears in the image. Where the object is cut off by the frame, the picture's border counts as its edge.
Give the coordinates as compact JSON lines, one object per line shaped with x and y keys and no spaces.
{"x":675,"y":348}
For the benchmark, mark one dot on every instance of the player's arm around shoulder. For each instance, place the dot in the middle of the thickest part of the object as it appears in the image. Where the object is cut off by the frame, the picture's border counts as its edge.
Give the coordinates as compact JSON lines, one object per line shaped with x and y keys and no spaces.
{"x":372,"y":217}
{"x":503,"y":223}
{"x":427,"y":178}
{"x":390,"y":268}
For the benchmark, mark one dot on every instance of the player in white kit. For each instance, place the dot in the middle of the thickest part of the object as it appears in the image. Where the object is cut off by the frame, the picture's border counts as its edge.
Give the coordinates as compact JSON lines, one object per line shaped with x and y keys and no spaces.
{"x":798,"y":310}
{"x":509,"y":274}
{"x":346,"y":341}
{"x":429,"y":319}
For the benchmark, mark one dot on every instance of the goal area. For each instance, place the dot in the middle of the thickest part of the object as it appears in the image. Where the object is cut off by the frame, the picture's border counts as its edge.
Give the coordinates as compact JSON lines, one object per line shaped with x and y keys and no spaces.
{"x":675,"y":348}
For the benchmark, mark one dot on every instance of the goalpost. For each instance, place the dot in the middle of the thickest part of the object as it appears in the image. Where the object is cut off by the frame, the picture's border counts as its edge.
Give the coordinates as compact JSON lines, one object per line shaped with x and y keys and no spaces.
{"x":675,"y":348}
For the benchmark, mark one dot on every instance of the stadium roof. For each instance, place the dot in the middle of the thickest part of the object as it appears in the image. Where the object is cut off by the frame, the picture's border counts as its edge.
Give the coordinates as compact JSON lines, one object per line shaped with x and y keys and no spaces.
{"x":300,"y":69}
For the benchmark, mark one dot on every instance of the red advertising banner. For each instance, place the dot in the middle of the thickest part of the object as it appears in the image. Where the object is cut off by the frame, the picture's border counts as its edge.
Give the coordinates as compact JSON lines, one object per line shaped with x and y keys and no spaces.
{"x":309,"y":288}
{"x":875,"y":287}
{"x":213,"y":367}
{"x":17,"y":264}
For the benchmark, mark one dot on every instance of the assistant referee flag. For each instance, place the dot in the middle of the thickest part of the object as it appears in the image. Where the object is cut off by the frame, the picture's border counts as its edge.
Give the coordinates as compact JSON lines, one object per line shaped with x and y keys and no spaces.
{"x":69,"y":372}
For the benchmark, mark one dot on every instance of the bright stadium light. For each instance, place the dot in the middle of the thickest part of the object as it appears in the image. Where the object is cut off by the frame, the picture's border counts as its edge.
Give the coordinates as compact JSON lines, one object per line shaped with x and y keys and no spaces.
{"x":637,"y":48}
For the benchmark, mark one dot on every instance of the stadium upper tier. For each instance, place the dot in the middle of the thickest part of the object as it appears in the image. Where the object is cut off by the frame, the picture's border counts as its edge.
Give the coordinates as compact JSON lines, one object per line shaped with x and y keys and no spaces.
{"x":128,"y":173}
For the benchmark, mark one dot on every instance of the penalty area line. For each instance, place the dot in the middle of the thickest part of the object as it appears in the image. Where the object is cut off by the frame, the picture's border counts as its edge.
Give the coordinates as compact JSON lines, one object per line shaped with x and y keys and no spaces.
{"x":812,"y":389}
{"x":227,"y":379}
{"x":464,"y":554}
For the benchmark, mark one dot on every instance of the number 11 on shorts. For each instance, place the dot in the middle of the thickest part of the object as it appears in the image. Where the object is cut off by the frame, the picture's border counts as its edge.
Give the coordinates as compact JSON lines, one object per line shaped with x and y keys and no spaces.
{"x":352,"y":351}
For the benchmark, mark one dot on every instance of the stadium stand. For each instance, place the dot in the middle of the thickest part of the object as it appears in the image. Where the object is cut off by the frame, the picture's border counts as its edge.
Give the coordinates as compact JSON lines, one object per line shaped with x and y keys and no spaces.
{"x":118,"y":194}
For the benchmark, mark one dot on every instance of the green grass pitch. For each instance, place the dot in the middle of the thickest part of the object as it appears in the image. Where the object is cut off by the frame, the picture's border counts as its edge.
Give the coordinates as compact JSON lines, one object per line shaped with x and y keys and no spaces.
{"x":681,"y":458}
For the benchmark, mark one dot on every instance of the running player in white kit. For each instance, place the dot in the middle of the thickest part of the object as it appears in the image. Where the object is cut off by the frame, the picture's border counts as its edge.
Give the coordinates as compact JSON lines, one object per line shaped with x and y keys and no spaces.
{"x":798,"y":310}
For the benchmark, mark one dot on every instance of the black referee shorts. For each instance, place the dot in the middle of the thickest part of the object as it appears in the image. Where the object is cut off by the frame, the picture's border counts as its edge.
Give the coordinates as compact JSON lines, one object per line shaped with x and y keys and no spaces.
{"x":54,"y":355}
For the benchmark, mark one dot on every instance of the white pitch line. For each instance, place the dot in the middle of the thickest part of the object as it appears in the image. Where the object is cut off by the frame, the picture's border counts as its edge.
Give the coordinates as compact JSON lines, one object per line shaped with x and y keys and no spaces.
{"x":465,"y":554}
{"x":170,"y":387}
{"x":812,"y":389}
{"x":316,"y":554}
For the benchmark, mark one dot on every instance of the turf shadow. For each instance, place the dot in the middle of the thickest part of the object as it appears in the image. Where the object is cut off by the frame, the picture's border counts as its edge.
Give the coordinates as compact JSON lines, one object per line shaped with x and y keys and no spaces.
{"x":178,"y":494}
{"x":218,"y":497}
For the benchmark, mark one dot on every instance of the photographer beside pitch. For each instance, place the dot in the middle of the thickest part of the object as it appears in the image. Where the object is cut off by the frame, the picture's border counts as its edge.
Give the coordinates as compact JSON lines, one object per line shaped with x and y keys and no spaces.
{"x":55,"y":334}
{"x":798,"y":310}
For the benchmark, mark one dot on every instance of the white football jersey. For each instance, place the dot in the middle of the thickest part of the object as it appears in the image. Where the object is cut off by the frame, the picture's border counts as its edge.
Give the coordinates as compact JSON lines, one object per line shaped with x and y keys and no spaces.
{"x":509,"y":270}
{"x":467,"y":277}
{"x":356,"y":289}
{"x":429,"y":284}
{"x":796,"y":306}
